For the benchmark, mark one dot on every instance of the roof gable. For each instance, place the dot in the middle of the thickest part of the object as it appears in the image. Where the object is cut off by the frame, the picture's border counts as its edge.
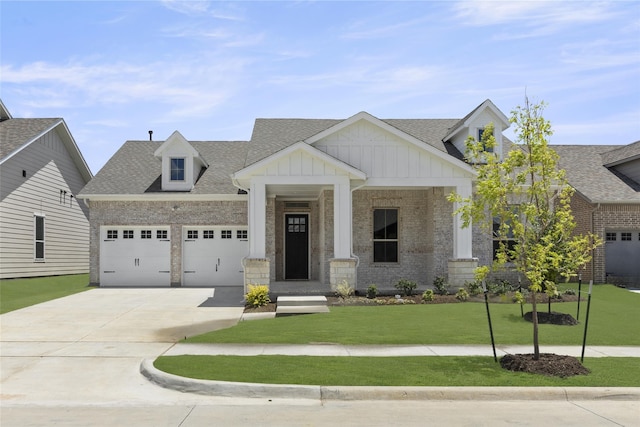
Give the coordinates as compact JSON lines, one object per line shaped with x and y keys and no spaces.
{"x":466,"y":121}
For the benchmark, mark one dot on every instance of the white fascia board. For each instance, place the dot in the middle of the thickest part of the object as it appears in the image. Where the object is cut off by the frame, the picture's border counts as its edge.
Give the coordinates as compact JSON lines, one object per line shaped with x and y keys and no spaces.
{"x":415,"y":182}
{"x":163,"y":197}
{"x":247,"y":172}
{"x":75,"y":153}
{"x":175,"y":138}
{"x":486,"y":104}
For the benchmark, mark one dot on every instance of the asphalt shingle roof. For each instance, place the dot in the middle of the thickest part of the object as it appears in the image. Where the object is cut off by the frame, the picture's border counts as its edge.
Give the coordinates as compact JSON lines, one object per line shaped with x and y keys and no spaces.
{"x":134,"y":169}
{"x":14,"y":133}
{"x":586,"y":173}
{"x":622,"y":153}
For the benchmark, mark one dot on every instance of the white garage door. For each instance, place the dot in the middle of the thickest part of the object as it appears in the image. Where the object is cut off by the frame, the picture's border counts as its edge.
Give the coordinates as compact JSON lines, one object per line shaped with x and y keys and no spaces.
{"x":212,"y":256}
{"x":135,"y":256}
{"x":622,"y":251}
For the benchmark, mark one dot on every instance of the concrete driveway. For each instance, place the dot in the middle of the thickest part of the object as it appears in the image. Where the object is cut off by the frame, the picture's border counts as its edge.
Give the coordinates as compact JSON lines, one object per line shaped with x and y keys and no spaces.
{"x":87,"y":348}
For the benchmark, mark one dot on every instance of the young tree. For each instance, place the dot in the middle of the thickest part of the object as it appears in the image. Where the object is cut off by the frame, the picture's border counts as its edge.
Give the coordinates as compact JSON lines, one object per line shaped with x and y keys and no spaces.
{"x":524,"y":200}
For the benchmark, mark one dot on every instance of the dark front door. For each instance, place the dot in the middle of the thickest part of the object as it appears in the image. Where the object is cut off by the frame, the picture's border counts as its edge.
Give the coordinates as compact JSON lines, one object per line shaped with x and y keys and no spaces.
{"x":296,"y":247}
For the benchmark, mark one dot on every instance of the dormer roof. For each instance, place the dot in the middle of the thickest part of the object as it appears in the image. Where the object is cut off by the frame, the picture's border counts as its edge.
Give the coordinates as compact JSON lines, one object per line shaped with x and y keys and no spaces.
{"x":466,"y":121}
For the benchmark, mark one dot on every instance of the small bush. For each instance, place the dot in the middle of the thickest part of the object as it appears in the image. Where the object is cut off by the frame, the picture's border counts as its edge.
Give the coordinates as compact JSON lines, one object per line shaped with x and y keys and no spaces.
{"x":518,"y":297}
{"x":474,"y":288}
{"x":372,"y":291}
{"x":570,"y":291}
{"x":427,"y":295}
{"x":462,"y":294}
{"x":406,"y":287}
{"x":257,"y":296}
{"x":499,"y":287}
{"x":344,"y":289}
{"x":440,"y":286}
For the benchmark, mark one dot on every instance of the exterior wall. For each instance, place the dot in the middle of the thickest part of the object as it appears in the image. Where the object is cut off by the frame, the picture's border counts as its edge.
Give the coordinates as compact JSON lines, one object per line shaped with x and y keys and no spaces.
{"x":49,"y":170}
{"x":423,"y":252}
{"x":583,"y":215}
{"x":610,"y":217}
{"x":176,"y":214}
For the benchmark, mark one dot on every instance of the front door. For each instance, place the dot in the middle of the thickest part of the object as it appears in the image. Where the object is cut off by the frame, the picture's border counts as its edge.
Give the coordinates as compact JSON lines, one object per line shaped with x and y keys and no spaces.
{"x":296,"y":247}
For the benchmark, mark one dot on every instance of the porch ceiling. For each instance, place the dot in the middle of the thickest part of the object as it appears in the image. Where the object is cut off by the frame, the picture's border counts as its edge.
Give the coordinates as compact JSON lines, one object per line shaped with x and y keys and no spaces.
{"x":296,"y":191}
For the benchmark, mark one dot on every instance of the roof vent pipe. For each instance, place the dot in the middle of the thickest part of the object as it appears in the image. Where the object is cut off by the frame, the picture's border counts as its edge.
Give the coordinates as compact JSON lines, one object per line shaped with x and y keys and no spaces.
{"x":150,"y":135}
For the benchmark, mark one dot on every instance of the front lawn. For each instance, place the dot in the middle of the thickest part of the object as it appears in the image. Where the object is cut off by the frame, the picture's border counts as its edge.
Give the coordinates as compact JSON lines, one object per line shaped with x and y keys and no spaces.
{"x":434,"y":371}
{"x":613,"y":320}
{"x":20,"y":293}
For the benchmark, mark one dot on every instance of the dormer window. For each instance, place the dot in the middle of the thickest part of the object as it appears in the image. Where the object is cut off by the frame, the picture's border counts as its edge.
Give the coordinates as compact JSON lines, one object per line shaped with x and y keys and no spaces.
{"x":177,"y":169}
{"x":484,"y":146}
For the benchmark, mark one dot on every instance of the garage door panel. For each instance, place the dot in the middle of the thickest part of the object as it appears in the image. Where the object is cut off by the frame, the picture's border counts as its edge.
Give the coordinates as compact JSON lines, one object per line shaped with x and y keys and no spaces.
{"x":135,"y":256}
{"x":212,"y":256}
{"x":622,"y":252}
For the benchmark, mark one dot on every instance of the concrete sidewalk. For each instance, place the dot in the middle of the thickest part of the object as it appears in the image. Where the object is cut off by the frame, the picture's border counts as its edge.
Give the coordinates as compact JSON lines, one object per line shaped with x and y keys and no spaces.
{"x":392,"y":350}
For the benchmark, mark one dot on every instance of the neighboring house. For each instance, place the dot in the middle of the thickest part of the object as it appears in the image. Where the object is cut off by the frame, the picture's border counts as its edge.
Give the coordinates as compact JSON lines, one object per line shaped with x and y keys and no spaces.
{"x":44,"y":227}
{"x":607,"y":203}
{"x":305,"y":201}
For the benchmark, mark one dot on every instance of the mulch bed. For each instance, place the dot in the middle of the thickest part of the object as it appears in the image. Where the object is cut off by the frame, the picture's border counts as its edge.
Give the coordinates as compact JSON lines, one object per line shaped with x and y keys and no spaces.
{"x":548,"y":364}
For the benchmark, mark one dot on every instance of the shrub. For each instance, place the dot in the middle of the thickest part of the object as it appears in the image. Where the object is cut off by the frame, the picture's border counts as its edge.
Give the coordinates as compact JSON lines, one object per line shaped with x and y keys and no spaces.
{"x":372,"y":291}
{"x":427,"y":295}
{"x":475,"y":287}
{"x":258,"y":295}
{"x":406,"y":287}
{"x":344,"y":289}
{"x":462,"y":294}
{"x":440,"y":286}
{"x":518,"y":297}
{"x":570,"y":291}
{"x":499,"y":287}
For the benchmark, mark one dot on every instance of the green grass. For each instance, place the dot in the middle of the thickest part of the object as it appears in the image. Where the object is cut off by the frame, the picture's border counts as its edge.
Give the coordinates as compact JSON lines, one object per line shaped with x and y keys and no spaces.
{"x":20,"y":293}
{"x":435,"y":371}
{"x":613,"y":320}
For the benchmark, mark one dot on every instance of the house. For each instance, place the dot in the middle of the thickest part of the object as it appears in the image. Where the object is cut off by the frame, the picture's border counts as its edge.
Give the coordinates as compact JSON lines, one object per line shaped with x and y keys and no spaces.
{"x":607,"y":203}
{"x":303,"y":202}
{"x":44,"y":227}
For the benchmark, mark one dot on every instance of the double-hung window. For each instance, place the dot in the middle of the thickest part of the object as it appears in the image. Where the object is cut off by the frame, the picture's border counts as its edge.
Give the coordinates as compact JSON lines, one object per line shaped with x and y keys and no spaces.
{"x":385,"y":235}
{"x":38,"y":241}
{"x":177,"y":169}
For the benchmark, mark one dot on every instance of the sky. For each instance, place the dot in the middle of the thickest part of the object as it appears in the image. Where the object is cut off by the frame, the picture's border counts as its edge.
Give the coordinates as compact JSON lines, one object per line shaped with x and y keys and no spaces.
{"x":116,"y":69}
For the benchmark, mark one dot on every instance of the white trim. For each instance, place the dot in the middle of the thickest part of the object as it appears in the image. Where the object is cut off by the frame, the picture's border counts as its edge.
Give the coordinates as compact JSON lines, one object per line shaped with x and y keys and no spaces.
{"x":165,"y":196}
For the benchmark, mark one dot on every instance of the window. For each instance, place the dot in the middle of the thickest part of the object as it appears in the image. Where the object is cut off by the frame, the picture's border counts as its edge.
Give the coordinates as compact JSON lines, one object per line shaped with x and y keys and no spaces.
{"x":611,"y":237}
{"x":207,"y":234}
{"x":38,"y":245}
{"x":177,"y":169}
{"x":297,"y":225}
{"x":127,"y":234}
{"x":499,"y":238}
{"x":161,"y":234}
{"x":385,"y":235}
{"x":241,"y":234}
{"x":145,"y":234}
{"x":625,"y":237}
{"x":192,"y":234}
{"x":484,"y":147}
{"x":112,"y":234}
{"x":226,"y":234}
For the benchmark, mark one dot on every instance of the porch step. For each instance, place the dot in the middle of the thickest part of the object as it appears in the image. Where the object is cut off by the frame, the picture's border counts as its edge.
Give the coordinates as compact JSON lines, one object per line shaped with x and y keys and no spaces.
{"x":307,"y":300}
{"x":286,"y":306}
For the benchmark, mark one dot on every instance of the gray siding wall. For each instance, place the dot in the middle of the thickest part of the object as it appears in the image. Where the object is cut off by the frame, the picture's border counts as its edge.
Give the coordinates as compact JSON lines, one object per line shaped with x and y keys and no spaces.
{"x":176,"y":214}
{"x":49,"y":170}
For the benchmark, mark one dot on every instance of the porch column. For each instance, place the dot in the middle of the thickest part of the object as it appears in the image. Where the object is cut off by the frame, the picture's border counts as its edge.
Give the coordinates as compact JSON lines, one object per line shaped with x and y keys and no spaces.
{"x":342,"y":218}
{"x":462,"y":266}
{"x":462,"y":237}
{"x":257,"y":220}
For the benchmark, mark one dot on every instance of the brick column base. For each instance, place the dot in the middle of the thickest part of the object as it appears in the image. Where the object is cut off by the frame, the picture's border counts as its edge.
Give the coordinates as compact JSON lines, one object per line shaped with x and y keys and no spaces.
{"x":461,"y":271}
{"x":342,"y":269}
{"x":256,"y":272}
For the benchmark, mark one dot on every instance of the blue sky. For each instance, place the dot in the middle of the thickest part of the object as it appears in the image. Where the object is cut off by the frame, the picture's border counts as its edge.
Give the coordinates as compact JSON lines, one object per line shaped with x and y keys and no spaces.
{"x":116,"y":69}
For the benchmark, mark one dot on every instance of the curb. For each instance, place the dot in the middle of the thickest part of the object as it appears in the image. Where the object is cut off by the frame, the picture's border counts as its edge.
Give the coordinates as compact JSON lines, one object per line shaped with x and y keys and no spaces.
{"x":324,"y":393}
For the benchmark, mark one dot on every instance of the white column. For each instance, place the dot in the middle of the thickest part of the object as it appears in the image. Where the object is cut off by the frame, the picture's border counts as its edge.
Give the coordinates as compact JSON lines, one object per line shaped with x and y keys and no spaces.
{"x":462,"y":237}
{"x":342,"y":218}
{"x":257,"y":220}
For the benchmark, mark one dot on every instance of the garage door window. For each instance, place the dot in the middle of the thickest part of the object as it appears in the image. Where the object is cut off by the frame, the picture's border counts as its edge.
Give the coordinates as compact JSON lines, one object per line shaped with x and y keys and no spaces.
{"x":241,"y":234}
{"x":161,"y":234}
{"x":112,"y":234}
{"x":611,"y":237}
{"x":127,"y":234}
{"x":625,"y":237}
{"x":226,"y":234}
{"x":192,"y":234}
{"x":207,"y":234}
{"x":145,"y":234}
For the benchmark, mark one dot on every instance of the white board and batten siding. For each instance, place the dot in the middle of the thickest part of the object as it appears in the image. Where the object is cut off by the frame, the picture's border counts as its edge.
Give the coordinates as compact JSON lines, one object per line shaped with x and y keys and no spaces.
{"x":49,"y":170}
{"x":384,"y":156}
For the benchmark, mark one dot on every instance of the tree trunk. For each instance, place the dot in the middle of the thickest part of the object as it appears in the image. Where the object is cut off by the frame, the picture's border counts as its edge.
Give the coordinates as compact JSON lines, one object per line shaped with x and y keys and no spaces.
{"x":534,"y":318}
